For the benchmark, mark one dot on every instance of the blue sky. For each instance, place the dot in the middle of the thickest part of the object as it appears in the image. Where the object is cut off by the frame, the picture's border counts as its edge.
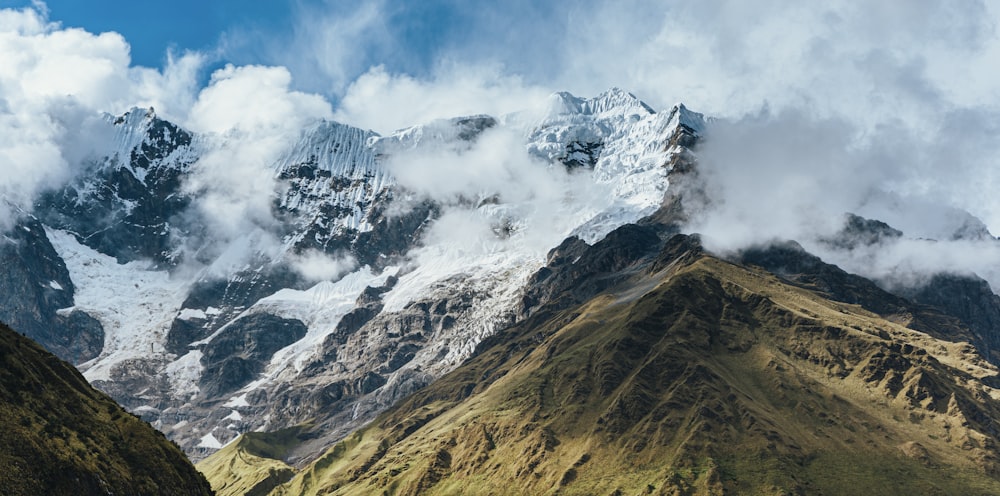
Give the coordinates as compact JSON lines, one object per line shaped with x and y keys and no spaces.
{"x":409,"y":37}
{"x":153,"y":27}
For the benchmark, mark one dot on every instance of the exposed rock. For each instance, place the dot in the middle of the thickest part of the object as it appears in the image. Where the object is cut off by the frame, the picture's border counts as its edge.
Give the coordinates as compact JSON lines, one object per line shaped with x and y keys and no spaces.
{"x":37,"y":295}
{"x":971,"y":300}
{"x":240,"y":351}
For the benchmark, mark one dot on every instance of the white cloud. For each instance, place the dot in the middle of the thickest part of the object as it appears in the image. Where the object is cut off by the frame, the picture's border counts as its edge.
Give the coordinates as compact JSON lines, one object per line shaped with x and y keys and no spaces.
{"x":248,"y":117}
{"x":54,"y":85}
{"x":494,"y":193}
{"x":254,"y":99}
{"x":897,"y":96}
{"x":386,"y":102}
{"x":317,"y":266}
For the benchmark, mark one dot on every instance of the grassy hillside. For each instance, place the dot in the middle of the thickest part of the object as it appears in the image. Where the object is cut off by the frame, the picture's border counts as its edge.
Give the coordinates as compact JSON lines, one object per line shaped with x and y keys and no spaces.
{"x":252,"y":465}
{"x":58,"y":435}
{"x":696,"y":376}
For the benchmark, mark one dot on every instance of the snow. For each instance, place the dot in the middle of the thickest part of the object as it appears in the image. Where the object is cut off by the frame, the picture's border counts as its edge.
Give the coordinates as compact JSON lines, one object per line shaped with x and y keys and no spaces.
{"x":237,"y":401}
{"x":627,"y":182}
{"x":320,"y":307}
{"x":209,"y":441}
{"x":191,"y":313}
{"x":137,"y":304}
{"x":55,"y":285}
{"x":184,"y":373}
{"x":133,"y":303}
{"x":345,"y":152}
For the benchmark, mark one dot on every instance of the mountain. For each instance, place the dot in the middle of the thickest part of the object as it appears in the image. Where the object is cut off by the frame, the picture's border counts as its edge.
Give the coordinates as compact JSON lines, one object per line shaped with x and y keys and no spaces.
{"x":345,"y":291}
{"x":61,"y":436}
{"x":653,"y":367}
{"x":263,"y":300}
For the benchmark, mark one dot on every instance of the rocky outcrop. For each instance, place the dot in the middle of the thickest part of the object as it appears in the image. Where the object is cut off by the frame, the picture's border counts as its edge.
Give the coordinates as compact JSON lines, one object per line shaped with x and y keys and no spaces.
{"x":242,"y":349}
{"x":131,"y":205}
{"x":36,"y":295}
{"x":972,"y":301}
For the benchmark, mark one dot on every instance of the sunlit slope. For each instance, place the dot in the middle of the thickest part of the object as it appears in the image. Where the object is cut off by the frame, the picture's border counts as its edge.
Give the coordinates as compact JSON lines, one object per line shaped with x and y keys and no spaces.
{"x":696,"y":376}
{"x":58,"y":435}
{"x":250,"y":465}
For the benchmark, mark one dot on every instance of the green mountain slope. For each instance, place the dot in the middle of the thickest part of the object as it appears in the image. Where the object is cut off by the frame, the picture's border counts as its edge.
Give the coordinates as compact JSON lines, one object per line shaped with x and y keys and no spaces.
{"x":58,"y":435}
{"x":691,"y":376}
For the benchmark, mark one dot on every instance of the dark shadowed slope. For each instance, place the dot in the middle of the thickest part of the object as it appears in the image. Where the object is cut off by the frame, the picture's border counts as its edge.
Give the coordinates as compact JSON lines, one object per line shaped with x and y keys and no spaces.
{"x":58,"y":435}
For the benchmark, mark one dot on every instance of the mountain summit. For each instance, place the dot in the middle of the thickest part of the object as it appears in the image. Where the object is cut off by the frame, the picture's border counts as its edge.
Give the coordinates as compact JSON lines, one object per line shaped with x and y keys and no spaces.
{"x":332,"y":281}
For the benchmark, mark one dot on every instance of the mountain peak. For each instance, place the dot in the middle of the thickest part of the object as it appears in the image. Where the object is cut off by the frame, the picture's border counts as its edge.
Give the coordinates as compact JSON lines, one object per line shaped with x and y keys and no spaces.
{"x":135,"y":116}
{"x":685,"y":117}
{"x":616,"y":99}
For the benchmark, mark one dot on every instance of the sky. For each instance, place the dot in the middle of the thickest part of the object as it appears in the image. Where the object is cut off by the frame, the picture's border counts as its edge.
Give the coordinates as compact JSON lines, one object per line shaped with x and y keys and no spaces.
{"x":834,"y":106}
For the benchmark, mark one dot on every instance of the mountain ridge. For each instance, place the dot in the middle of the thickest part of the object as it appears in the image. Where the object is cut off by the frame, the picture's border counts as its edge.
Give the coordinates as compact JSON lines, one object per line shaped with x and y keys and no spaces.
{"x":706,"y":378}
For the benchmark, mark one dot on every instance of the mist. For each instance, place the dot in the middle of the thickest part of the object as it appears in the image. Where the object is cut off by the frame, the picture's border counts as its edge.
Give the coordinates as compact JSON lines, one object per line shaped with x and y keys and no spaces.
{"x":495,"y":196}
{"x":788,"y":175}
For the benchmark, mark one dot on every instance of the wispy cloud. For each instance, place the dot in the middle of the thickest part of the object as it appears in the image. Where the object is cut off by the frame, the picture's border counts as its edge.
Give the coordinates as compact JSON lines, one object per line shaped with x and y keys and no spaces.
{"x":386,"y":102}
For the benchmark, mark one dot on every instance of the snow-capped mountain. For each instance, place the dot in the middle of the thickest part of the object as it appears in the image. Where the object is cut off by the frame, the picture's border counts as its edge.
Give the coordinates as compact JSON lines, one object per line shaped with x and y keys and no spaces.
{"x":365,"y":280}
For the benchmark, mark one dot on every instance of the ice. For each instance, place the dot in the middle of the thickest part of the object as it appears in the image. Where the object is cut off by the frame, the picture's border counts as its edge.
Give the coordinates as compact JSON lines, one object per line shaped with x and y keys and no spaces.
{"x":136,"y":304}
{"x":133,"y":303}
{"x":320,"y":307}
{"x":184,"y":373}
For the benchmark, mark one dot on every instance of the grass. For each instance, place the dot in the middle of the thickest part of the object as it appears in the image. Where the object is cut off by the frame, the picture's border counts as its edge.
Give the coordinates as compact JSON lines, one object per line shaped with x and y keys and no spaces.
{"x":61,"y":436}
{"x":716,"y":378}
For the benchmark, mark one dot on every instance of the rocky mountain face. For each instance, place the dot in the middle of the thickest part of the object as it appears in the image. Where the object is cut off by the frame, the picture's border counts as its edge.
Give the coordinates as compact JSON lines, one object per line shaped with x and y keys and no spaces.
{"x":593,"y":335}
{"x":208,"y":337}
{"x":648,"y":366}
{"x":36,"y":287}
{"x":61,"y":436}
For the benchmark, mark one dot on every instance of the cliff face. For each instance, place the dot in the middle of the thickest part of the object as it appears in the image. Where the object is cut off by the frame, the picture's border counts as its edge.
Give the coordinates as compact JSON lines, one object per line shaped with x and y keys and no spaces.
{"x":58,"y":435}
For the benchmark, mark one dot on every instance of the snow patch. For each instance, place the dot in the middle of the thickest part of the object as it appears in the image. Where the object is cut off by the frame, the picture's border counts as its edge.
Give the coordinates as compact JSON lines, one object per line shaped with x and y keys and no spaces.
{"x":320,"y":308}
{"x":55,"y":285}
{"x":133,"y":302}
{"x":209,"y":441}
{"x":184,"y":373}
{"x":237,"y":401}
{"x":191,"y":313}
